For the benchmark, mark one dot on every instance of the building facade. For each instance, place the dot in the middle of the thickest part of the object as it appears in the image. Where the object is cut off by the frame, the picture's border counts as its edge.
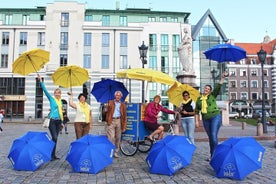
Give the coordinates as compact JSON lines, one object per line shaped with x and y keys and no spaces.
{"x":102,"y":41}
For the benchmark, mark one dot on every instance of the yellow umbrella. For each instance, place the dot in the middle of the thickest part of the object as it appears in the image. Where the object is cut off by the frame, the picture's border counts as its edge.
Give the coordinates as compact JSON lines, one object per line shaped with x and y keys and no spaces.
{"x":146,"y":75}
{"x":30,"y":61}
{"x":68,"y":76}
{"x":174,"y":93}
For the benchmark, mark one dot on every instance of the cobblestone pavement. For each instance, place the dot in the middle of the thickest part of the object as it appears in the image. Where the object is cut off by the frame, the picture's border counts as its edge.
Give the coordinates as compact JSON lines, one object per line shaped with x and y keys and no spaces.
{"x":131,"y":169}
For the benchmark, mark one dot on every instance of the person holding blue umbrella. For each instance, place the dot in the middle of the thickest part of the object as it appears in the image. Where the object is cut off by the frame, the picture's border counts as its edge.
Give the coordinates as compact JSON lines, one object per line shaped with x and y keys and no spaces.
{"x":211,"y":115}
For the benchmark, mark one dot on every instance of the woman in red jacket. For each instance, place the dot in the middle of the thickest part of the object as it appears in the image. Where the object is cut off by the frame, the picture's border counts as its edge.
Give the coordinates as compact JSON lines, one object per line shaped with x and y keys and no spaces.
{"x":151,"y":116}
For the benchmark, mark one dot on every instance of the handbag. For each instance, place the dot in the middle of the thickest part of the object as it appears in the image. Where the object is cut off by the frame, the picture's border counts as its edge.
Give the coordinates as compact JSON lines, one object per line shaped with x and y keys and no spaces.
{"x":46,"y":122}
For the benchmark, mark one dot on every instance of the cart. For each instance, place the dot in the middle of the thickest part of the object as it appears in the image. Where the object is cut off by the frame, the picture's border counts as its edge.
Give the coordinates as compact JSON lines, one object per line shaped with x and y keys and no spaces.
{"x":133,"y":139}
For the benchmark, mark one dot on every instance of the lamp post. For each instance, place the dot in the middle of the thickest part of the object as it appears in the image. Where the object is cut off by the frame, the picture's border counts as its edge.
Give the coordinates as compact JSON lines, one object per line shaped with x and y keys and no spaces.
{"x":214,"y":72}
{"x":143,"y":49}
{"x":262,"y":57}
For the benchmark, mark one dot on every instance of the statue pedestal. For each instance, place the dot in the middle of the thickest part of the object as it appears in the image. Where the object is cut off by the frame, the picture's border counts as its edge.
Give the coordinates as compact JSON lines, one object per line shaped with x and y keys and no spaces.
{"x":185,"y":78}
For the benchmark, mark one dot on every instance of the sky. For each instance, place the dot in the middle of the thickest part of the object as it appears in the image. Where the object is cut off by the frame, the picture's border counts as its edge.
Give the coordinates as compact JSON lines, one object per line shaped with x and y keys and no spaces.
{"x":247,"y":21}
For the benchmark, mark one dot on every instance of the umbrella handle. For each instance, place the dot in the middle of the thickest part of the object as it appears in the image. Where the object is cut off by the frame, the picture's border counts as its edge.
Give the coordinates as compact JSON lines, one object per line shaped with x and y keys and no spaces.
{"x":32,"y":63}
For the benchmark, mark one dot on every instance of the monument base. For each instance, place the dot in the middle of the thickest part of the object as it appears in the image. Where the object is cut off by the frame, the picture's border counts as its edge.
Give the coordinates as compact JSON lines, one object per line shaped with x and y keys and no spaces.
{"x":185,"y":78}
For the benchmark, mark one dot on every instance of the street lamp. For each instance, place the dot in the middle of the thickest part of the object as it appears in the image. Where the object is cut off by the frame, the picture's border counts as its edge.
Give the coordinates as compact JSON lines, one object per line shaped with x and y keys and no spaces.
{"x":143,"y":49}
{"x":262,"y":57}
{"x":214,"y":76}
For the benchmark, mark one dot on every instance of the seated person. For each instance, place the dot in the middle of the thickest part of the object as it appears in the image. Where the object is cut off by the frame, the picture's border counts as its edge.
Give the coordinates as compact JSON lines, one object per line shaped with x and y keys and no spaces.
{"x":151,"y":116}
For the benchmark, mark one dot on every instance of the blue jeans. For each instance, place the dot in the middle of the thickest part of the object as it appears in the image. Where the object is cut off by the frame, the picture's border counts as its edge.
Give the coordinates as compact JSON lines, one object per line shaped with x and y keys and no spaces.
{"x":188,"y":125}
{"x":212,"y":126}
{"x":54,"y":128}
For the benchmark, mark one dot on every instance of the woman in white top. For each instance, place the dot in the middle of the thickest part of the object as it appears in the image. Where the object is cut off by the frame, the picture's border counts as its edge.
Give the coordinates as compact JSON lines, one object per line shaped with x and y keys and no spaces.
{"x":83,"y":119}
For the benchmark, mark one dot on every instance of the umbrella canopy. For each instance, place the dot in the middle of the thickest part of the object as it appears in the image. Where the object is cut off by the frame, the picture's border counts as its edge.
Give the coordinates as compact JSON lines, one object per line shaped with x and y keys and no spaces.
{"x":30,"y":61}
{"x":237,"y":157}
{"x":174,"y":93}
{"x":90,"y":154}
{"x":31,"y":150}
{"x":146,"y":75}
{"x":225,"y":53}
{"x":68,"y":76}
{"x":170,"y":154}
{"x":104,"y":90}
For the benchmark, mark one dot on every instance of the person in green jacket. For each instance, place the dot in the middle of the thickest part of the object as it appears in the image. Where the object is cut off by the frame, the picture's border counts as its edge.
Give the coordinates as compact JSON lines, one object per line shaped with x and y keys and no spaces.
{"x":212,"y":120}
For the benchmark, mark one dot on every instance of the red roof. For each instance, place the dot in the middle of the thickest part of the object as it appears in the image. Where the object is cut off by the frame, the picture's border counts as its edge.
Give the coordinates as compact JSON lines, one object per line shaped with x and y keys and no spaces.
{"x":253,"y":48}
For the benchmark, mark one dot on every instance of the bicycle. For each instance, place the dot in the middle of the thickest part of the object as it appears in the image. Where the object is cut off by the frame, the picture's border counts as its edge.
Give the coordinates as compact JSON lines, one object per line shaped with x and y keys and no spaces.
{"x":130,"y":146}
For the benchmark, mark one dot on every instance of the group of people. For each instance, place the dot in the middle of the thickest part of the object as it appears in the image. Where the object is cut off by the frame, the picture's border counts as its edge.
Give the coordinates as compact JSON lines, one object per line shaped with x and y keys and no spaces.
{"x":189,"y":111}
{"x":116,"y":118}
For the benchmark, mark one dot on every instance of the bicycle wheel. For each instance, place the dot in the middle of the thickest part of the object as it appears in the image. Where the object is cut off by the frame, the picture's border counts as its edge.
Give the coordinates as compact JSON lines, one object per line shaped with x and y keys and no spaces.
{"x":145,"y":145}
{"x":129,"y":147}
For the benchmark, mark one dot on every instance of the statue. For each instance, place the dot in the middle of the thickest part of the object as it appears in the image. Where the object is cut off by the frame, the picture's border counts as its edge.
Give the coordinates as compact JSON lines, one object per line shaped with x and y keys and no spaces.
{"x":185,"y":53}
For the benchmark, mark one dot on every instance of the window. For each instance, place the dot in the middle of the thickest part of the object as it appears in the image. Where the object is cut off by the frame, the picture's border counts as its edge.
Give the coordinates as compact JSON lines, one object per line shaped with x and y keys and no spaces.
{"x":152,"y":42}
{"x":175,"y":42}
{"x":243,"y":96}
{"x":63,"y":40}
{"x":233,"y":84}
{"x":152,"y":19}
{"x":265,"y":84}
{"x":123,"y":39}
{"x":105,"y":39}
{"x":232,"y":73}
{"x":87,"y":39}
{"x":87,"y":61}
{"x":5,"y":38}
{"x":152,"y":62}
{"x":243,"y":84}
{"x":164,"y":42}
{"x":265,"y":72}
{"x":8,"y":20}
{"x":123,"y":62}
{"x":253,"y":72}
{"x":243,"y":73}
{"x":106,"y":20}
{"x":41,"y":38}
{"x":164,"y":64}
{"x":174,"y":19}
{"x":88,"y":18}
{"x":254,"y":96}
{"x":23,"y":38}
{"x":105,"y":61}
{"x":163,"y":19}
{"x":63,"y":60}
{"x":233,"y":96}
{"x":4,"y":61}
{"x":25,"y":20}
{"x":254,"y":84}
{"x":123,"y":21}
{"x":64,"y":19}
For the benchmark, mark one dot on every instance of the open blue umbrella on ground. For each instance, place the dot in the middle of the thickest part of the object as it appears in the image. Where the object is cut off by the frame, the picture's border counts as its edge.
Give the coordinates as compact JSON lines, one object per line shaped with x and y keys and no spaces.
{"x":225,"y":53}
{"x":90,"y":154}
{"x":170,"y":154}
{"x":31,"y":150}
{"x":104,"y":90}
{"x":237,"y":157}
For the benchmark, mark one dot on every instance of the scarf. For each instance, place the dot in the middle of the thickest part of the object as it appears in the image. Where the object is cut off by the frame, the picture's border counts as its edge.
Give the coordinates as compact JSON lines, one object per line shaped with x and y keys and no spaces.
{"x":186,"y":101}
{"x":59,"y":104}
{"x":204,"y":104}
{"x":85,"y":109}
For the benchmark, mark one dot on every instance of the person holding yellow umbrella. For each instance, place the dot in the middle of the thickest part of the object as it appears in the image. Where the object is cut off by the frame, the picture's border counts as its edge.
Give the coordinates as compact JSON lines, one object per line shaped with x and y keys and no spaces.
{"x":187,"y":111}
{"x":56,"y":114}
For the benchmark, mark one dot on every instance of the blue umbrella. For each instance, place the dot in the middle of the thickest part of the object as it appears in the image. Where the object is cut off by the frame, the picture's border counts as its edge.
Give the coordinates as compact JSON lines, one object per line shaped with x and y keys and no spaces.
{"x":225,"y":53}
{"x":31,"y":150}
{"x":104,"y":90}
{"x":237,"y":157}
{"x":170,"y":154}
{"x":90,"y":154}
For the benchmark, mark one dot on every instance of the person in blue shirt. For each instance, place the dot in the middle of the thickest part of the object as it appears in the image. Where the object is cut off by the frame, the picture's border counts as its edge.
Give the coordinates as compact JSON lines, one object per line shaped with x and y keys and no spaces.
{"x":56,"y":115}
